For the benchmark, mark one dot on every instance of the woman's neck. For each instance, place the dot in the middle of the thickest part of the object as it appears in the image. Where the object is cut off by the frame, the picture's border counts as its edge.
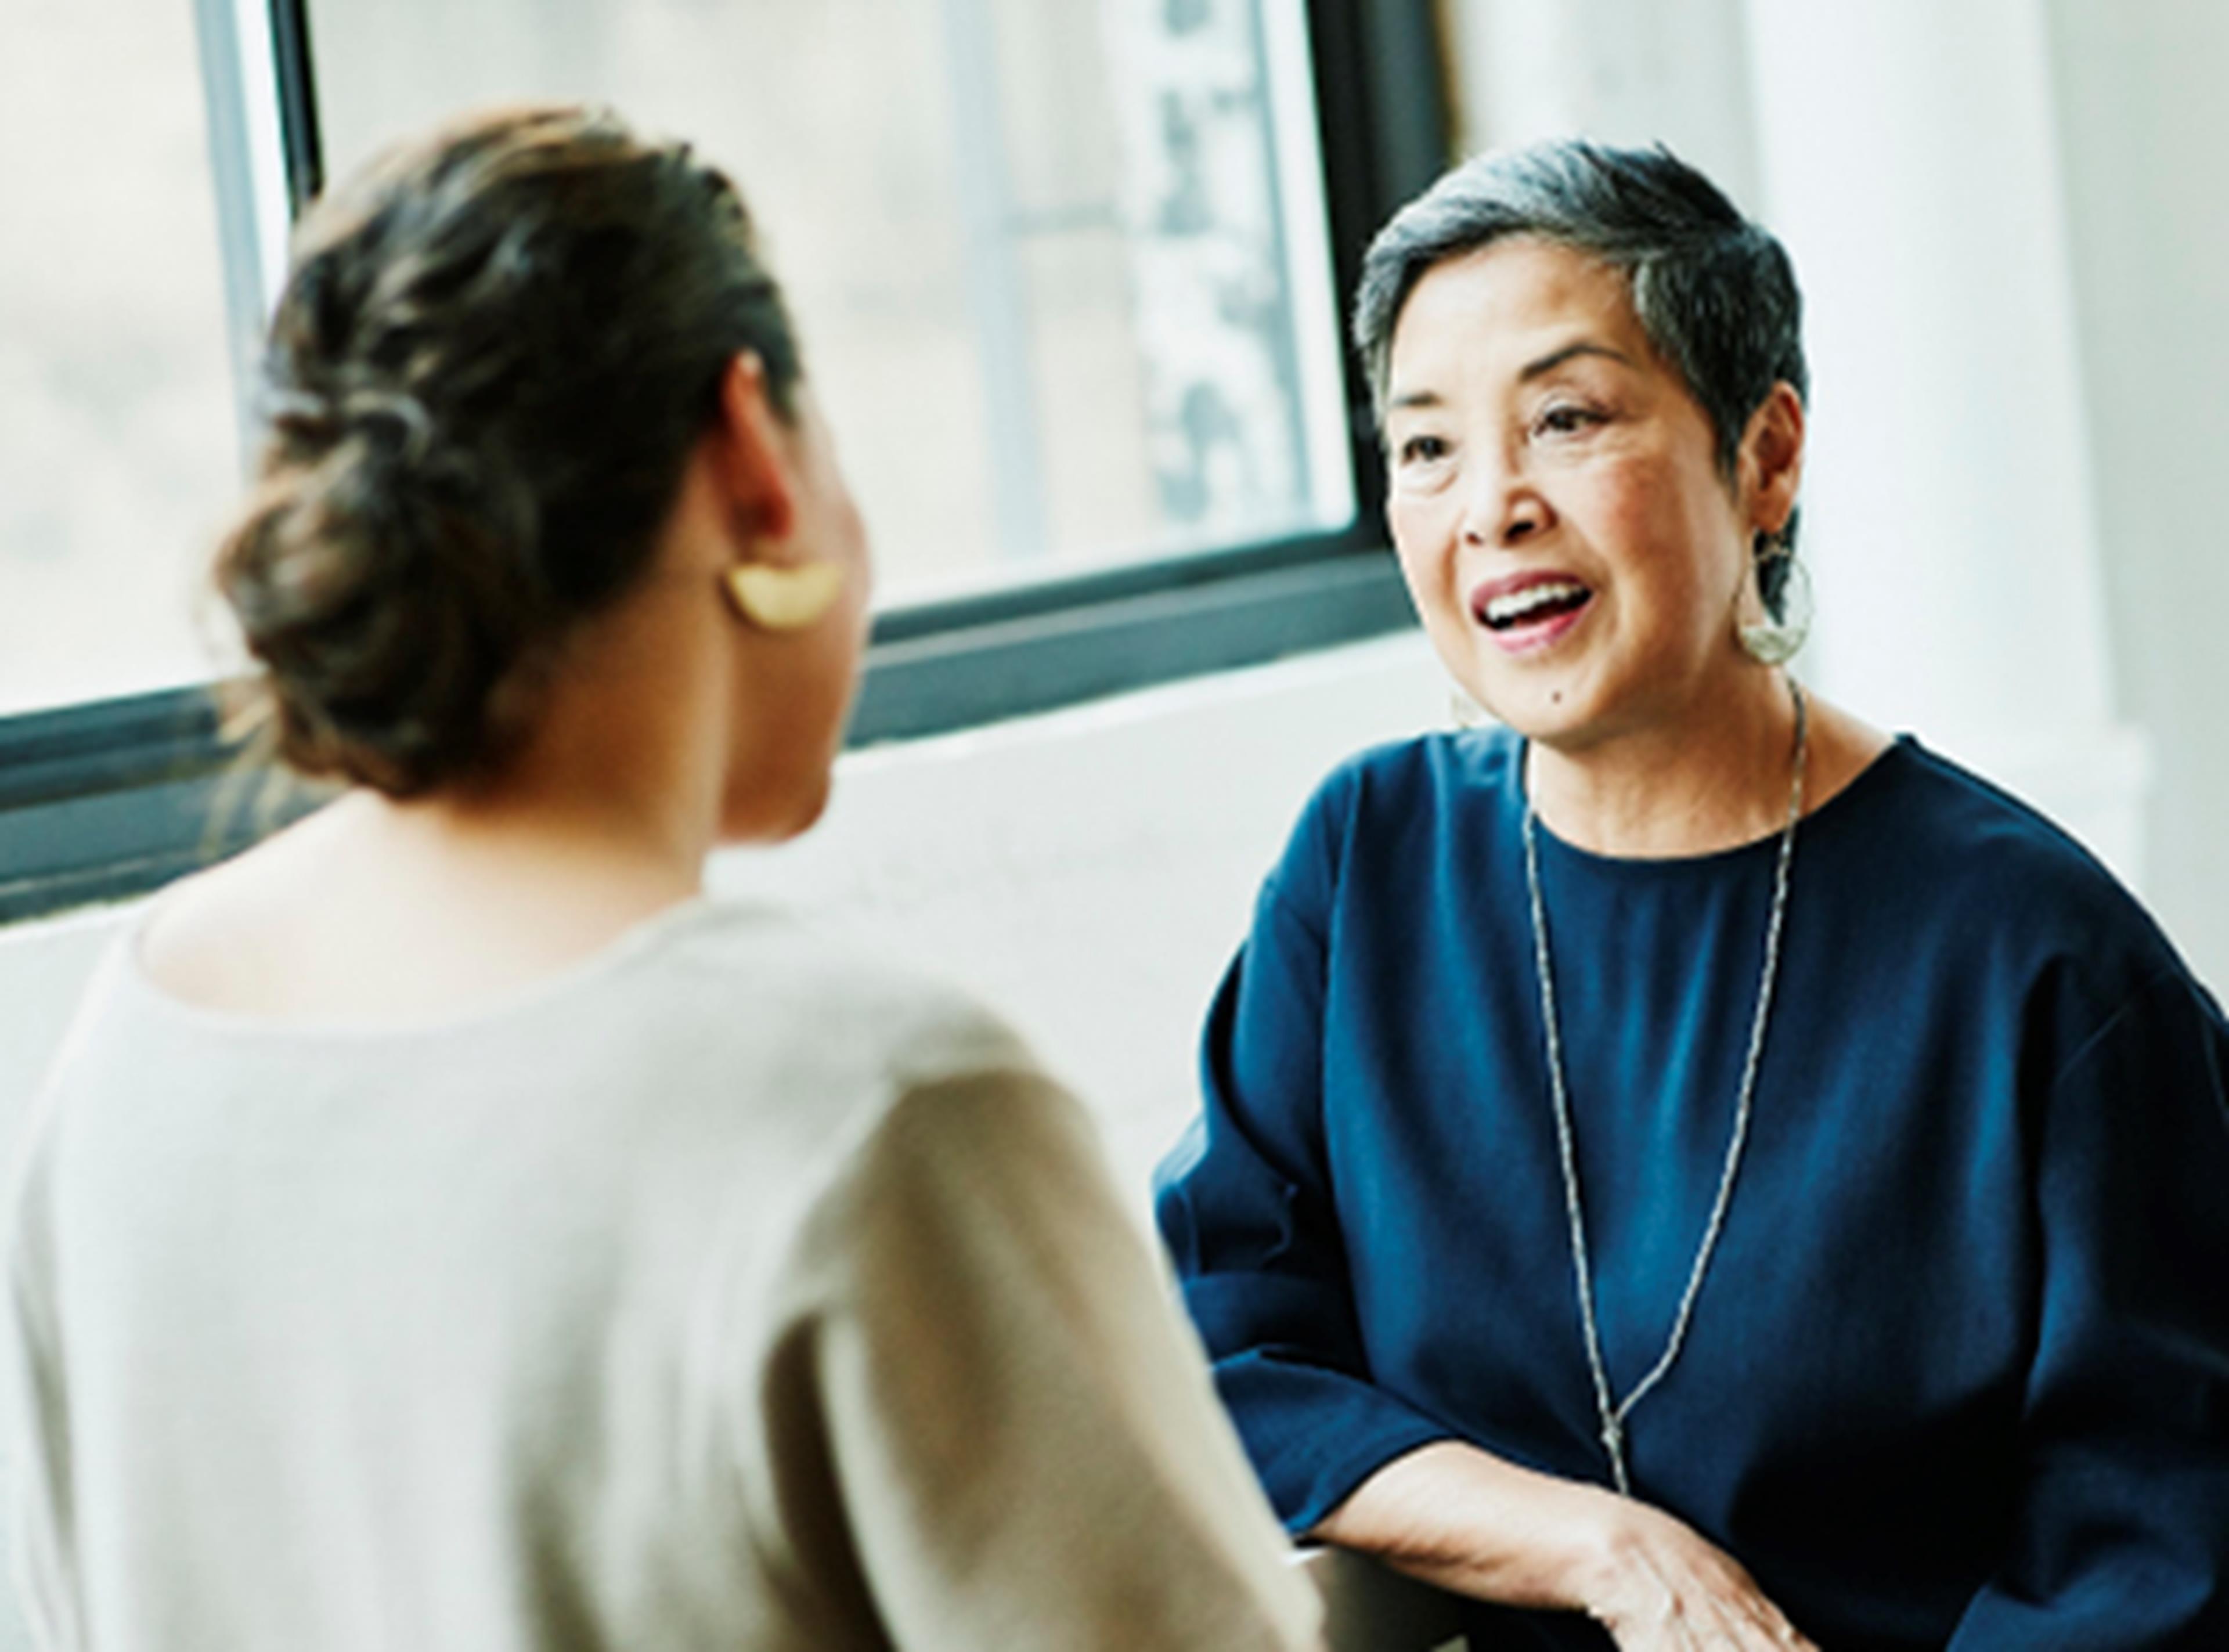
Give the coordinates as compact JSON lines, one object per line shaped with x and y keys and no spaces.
{"x":1717,"y":776}
{"x":618,"y":785}
{"x":385,"y":912}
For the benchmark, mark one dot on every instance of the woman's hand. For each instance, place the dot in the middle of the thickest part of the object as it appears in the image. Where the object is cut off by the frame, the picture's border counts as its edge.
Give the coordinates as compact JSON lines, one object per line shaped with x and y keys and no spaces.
{"x":1658,"y":1586}
{"x":1467,"y":1520}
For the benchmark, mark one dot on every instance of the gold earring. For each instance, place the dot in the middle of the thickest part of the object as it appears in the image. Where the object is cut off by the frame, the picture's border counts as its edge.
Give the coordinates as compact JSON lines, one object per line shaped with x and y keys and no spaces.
{"x":784,"y":598}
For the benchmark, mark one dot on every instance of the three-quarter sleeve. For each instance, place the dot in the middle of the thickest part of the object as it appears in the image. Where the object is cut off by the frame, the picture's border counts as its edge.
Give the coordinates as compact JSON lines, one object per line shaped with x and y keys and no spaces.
{"x":2122,"y":1539}
{"x":1244,"y":1206}
{"x":1018,"y":1428}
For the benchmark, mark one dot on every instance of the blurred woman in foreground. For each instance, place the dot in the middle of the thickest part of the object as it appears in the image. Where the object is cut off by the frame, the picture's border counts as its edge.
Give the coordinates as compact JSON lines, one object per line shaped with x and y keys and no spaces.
{"x":446,"y":1227}
{"x":1683,"y":1168}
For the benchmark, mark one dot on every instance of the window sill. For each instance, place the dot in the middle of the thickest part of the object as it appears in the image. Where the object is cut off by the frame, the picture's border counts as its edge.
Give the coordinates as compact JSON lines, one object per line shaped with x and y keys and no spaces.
{"x":104,"y":801}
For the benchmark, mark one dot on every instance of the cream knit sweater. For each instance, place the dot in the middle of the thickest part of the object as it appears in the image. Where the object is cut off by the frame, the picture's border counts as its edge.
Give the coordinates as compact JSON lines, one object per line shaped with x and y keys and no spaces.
{"x":733,"y":1291}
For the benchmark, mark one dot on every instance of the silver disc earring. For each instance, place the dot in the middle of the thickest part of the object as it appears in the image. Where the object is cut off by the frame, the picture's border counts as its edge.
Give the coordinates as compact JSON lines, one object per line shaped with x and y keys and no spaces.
{"x":1774,"y":642}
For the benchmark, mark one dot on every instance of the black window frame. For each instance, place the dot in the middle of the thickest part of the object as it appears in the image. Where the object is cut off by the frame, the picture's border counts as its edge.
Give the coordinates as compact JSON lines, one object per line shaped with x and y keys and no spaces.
{"x":109,"y":798}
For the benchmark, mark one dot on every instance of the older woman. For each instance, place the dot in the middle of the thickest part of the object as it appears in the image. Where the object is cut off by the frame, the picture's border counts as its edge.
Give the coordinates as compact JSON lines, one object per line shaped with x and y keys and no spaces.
{"x":450,"y":1229}
{"x":1686,"y":1161}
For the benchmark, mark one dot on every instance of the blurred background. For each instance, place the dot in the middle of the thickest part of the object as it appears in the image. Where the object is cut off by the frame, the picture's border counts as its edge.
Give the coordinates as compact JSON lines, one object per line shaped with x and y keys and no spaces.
{"x":1063,"y":270}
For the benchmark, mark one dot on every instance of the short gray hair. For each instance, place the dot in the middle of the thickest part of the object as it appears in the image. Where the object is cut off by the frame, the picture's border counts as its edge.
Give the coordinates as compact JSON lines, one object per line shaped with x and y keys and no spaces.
{"x":1714,"y":291}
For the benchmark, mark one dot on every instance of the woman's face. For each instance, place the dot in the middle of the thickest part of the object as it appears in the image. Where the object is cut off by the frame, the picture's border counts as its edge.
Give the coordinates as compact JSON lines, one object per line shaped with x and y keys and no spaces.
{"x":1572,"y":545}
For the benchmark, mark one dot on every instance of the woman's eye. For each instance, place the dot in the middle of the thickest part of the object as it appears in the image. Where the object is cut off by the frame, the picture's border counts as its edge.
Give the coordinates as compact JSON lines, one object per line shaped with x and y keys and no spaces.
{"x":1422,"y":450}
{"x":1567,"y":419}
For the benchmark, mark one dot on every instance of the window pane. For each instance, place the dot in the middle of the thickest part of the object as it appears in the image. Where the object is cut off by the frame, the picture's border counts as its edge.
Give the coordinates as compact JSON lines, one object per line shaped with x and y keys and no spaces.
{"x":1061,"y":269}
{"x":119,"y":442}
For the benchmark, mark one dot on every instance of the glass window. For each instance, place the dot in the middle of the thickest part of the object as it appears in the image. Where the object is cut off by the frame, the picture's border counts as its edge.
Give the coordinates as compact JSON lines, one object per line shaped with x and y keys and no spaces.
{"x":119,"y":439}
{"x":1061,"y":269}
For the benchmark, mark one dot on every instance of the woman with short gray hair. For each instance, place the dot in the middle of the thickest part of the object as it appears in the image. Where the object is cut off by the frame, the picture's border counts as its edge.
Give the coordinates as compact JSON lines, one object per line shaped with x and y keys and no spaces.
{"x":1684,"y":1168}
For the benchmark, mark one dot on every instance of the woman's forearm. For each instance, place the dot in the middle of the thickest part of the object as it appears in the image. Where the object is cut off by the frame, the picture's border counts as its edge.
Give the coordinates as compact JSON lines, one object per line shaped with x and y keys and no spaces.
{"x":1469,"y":1522}
{"x":1465,"y":1519}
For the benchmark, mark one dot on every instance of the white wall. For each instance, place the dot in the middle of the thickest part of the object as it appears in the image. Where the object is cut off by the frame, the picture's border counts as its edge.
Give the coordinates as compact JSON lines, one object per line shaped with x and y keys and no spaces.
{"x":1090,"y":871}
{"x":2144,"y":138}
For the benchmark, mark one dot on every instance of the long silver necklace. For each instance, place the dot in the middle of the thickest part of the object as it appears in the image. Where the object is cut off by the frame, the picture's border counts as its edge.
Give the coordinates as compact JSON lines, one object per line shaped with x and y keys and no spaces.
{"x":1609,"y":1411}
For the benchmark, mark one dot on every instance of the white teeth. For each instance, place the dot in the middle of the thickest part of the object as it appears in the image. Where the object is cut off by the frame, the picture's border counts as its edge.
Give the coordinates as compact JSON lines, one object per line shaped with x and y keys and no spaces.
{"x":1506,"y":610}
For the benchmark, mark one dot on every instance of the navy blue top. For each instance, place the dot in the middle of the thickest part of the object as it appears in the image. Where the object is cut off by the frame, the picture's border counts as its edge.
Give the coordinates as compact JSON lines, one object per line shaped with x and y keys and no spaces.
{"x":1959,"y":1374}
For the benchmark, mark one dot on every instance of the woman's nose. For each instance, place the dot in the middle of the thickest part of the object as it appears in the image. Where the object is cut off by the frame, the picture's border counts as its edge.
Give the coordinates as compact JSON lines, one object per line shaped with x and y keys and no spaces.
{"x":1503,"y":508}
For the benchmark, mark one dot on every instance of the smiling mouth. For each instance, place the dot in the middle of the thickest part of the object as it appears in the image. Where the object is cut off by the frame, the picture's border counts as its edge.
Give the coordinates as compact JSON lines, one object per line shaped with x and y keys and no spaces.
{"x":1535,"y":605}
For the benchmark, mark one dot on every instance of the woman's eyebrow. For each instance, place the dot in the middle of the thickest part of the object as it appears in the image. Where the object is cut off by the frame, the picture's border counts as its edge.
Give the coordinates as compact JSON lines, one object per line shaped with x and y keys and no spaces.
{"x":1556,"y":358}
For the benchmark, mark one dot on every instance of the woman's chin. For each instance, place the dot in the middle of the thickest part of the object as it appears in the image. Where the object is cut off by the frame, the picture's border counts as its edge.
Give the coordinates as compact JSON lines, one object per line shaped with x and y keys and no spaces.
{"x":1546,"y":693}
{"x":1551,"y":712}
{"x":765,"y":817}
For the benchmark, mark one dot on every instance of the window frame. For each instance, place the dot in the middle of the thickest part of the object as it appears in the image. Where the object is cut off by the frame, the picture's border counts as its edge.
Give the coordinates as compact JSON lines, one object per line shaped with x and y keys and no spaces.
{"x":109,"y":798}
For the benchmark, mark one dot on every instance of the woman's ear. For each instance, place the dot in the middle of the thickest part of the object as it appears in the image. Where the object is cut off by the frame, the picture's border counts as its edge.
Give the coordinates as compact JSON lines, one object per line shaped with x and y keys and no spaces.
{"x":751,"y":451}
{"x":1772,"y":459}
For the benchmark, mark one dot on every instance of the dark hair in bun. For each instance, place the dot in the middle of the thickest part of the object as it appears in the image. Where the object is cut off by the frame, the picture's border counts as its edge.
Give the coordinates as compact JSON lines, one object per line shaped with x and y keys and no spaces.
{"x":497,"y":349}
